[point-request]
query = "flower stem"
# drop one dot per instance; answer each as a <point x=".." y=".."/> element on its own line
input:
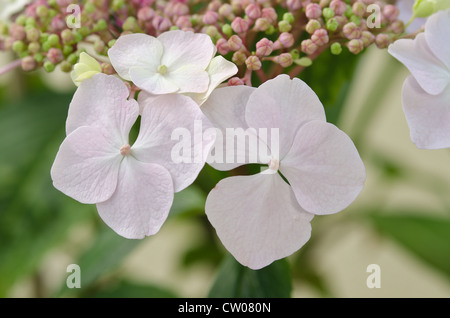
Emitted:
<point x="10" y="66"/>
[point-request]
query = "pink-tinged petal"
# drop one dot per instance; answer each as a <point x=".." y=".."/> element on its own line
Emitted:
<point x="102" y="102"/>
<point x="324" y="168"/>
<point x="154" y="83"/>
<point x="426" y="68"/>
<point x="86" y="167"/>
<point x="141" y="202"/>
<point x="175" y="134"/>
<point x="257" y="218"/>
<point x="428" y="116"/>
<point x="437" y="34"/>
<point x="189" y="78"/>
<point x="225" y="108"/>
<point x="286" y="105"/>
<point x="135" y="50"/>
<point x="183" y="48"/>
<point x="218" y="70"/>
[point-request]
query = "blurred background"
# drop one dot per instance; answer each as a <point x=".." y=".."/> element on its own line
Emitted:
<point x="401" y="220"/>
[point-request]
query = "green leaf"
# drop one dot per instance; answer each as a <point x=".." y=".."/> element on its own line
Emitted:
<point x="427" y="237"/>
<point x="237" y="281"/>
<point x="125" y="289"/>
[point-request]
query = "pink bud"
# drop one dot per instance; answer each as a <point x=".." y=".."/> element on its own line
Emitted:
<point x="57" y="23"/>
<point x="262" y="24"/>
<point x="270" y="14"/>
<point x="286" y="40"/>
<point x="234" y="42"/>
<point x="367" y="37"/>
<point x="294" y="5"/>
<point x="210" y="17"/>
<point x="320" y="37"/>
<point x="225" y="10"/>
<point x="253" y="63"/>
<point x="285" y="59"/>
<point x="214" y="5"/>
<point x="239" y="25"/>
<point x="239" y="58"/>
<point x="253" y="11"/>
<point x="183" y="22"/>
<point x="390" y="12"/>
<point x="222" y="46"/>
<point x="313" y="11"/>
<point x="264" y="47"/>
<point x="351" y="31"/>
<point x="382" y="40"/>
<point x="308" y="46"/>
<point x="145" y="14"/>
<point x="312" y="26"/>
<point x="355" y="46"/>
<point x="398" y="27"/>
<point x="180" y="9"/>
<point x="55" y="55"/>
<point x="28" y="63"/>
<point x="235" y="81"/>
<point x="17" y="32"/>
<point x="339" y="7"/>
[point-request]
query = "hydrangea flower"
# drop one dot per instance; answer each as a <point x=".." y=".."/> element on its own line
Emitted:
<point x="174" y="62"/>
<point x="426" y="92"/>
<point x="261" y="218"/>
<point x="132" y="185"/>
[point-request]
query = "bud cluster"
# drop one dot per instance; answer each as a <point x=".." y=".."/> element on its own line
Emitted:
<point x="251" y="33"/>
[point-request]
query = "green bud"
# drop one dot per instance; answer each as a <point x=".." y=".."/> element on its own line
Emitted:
<point x="42" y="12"/>
<point x="66" y="66"/>
<point x="332" y="25"/>
<point x="112" y="42"/>
<point x="355" y="19"/>
<point x="53" y="39"/>
<point x="84" y="31"/>
<point x="49" y="66"/>
<point x="288" y="17"/>
<point x="38" y="57"/>
<point x="34" y="47"/>
<point x="44" y="37"/>
<point x="295" y="54"/>
<point x="349" y="12"/>
<point x="21" y="20"/>
<point x="101" y="25"/>
<point x="89" y="7"/>
<point x="18" y="46"/>
<point x="117" y="4"/>
<point x="271" y="30"/>
<point x="424" y="8"/>
<point x="67" y="49"/>
<point x="24" y="54"/>
<point x="33" y="35"/>
<point x="174" y="27"/>
<point x="327" y="13"/>
<point x="304" y="61"/>
<point x="52" y="13"/>
<point x="130" y="24"/>
<point x="227" y="30"/>
<point x="73" y="58"/>
<point x="52" y="3"/>
<point x="284" y="26"/>
<point x="46" y="46"/>
<point x="336" y="48"/>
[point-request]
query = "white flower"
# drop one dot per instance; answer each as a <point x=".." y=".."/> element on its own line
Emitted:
<point x="261" y="218"/>
<point x="174" y="62"/>
<point x="10" y="7"/>
<point x="426" y="92"/>
<point x="132" y="185"/>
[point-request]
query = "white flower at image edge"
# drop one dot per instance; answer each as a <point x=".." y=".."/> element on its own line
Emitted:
<point x="426" y="92"/>
<point x="261" y="218"/>
<point x="11" y="7"/>
<point x="132" y="185"/>
<point x="177" y="61"/>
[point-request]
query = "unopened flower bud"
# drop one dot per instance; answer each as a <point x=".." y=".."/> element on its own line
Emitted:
<point x="367" y="37"/>
<point x="65" y="66"/>
<point x="327" y="13"/>
<point x="320" y="37"/>
<point x="284" y="26"/>
<point x="179" y="9"/>
<point x="332" y="24"/>
<point x="285" y="40"/>
<point x="359" y="8"/>
<point x="17" y="32"/>
<point x="239" y="25"/>
<point x="145" y="14"/>
<point x="235" y="81"/>
<point x="351" y="31"/>
<point x="390" y="12"/>
<point x="253" y="63"/>
<point x="130" y="24"/>
<point x="234" y="43"/>
<point x="34" y="47"/>
<point x="304" y="61"/>
<point x="355" y="46"/>
<point x="253" y="11"/>
<point x="28" y="63"/>
<point x="239" y="58"/>
<point x="294" y="5"/>
<point x="49" y="66"/>
<point x="227" y="30"/>
<point x="210" y="17"/>
<point x="264" y="47"/>
<point x="382" y="40"/>
<point x="67" y="36"/>
<point x="284" y="59"/>
<point x="339" y="7"/>
<point x="55" y="55"/>
<point x="262" y="24"/>
<point x="308" y="46"/>
<point x="288" y="17"/>
<point x="270" y="14"/>
<point x="183" y="22"/>
<point x="313" y="11"/>
<point x="397" y="27"/>
<point x="107" y="68"/>
<point x="99" y="46"/>
<point x="225" y="10"/>
<point x="42" y="12"/>
<point x="19" y="47"/>
<point x="222" y="46"/>
<point x="336" y="48"/>
<point x="312" y="26"/>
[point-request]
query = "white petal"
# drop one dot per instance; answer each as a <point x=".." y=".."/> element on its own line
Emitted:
<point x="225" y="108"/>
<point x="168" y="121"/>
<point x="189" y="78"/>
<point x="141" y="202"/>
<point x="184" y="48"/>
<point x="324" y="168"/>
<point x="286" y="105"/>
<point x="135" y="50"/>
<point x="218" y="70"/>
<point x="437" y="34"/>
<point x="428" y="116"/>
<point x="426" y="68"/>
<point x="257" y="218"/>
<point x="152" y="82"/>
<point x="102" y="102"/>
<point x="86" y="167"/>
